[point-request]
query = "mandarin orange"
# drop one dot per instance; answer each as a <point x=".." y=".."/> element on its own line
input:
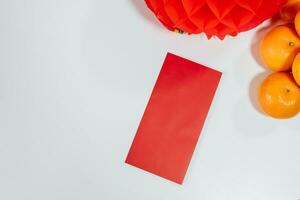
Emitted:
<point x="279" y="48"/>
<point x="279" y="95"/>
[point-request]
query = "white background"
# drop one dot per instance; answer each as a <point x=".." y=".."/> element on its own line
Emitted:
<point x="75" y="77"/>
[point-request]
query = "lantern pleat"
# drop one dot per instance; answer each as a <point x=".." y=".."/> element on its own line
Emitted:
<point x="213" y="17"/>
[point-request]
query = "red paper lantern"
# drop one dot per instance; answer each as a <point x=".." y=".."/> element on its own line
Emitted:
<point x="213" y="17"/>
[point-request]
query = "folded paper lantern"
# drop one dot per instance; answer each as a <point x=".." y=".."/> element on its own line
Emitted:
<point x="213" y="17"/>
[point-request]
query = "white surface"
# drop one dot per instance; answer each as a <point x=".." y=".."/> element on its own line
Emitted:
<point x="75" y="77"/>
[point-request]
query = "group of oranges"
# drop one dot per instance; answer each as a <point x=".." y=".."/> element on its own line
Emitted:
<point x="279" y="93"/>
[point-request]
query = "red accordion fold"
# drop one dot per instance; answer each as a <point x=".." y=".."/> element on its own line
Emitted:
<point x="213" y="17"/>
<point x="173" y="119"/>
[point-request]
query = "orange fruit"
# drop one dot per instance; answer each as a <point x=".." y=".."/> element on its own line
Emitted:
<point x="279" y="95"/>
<point x="297" y="22"/>
<point x="289" y="10"/>
<point x="296" y="68"/>
<point x="279" y="47"/>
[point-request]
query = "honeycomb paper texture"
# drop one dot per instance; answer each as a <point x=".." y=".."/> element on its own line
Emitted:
<point x="213" y="17"/>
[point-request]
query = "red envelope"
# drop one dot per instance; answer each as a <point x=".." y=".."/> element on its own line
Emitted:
<point x="173" y="119"/>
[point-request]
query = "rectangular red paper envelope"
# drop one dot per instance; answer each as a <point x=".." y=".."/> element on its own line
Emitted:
<point x="173" y="119"/>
